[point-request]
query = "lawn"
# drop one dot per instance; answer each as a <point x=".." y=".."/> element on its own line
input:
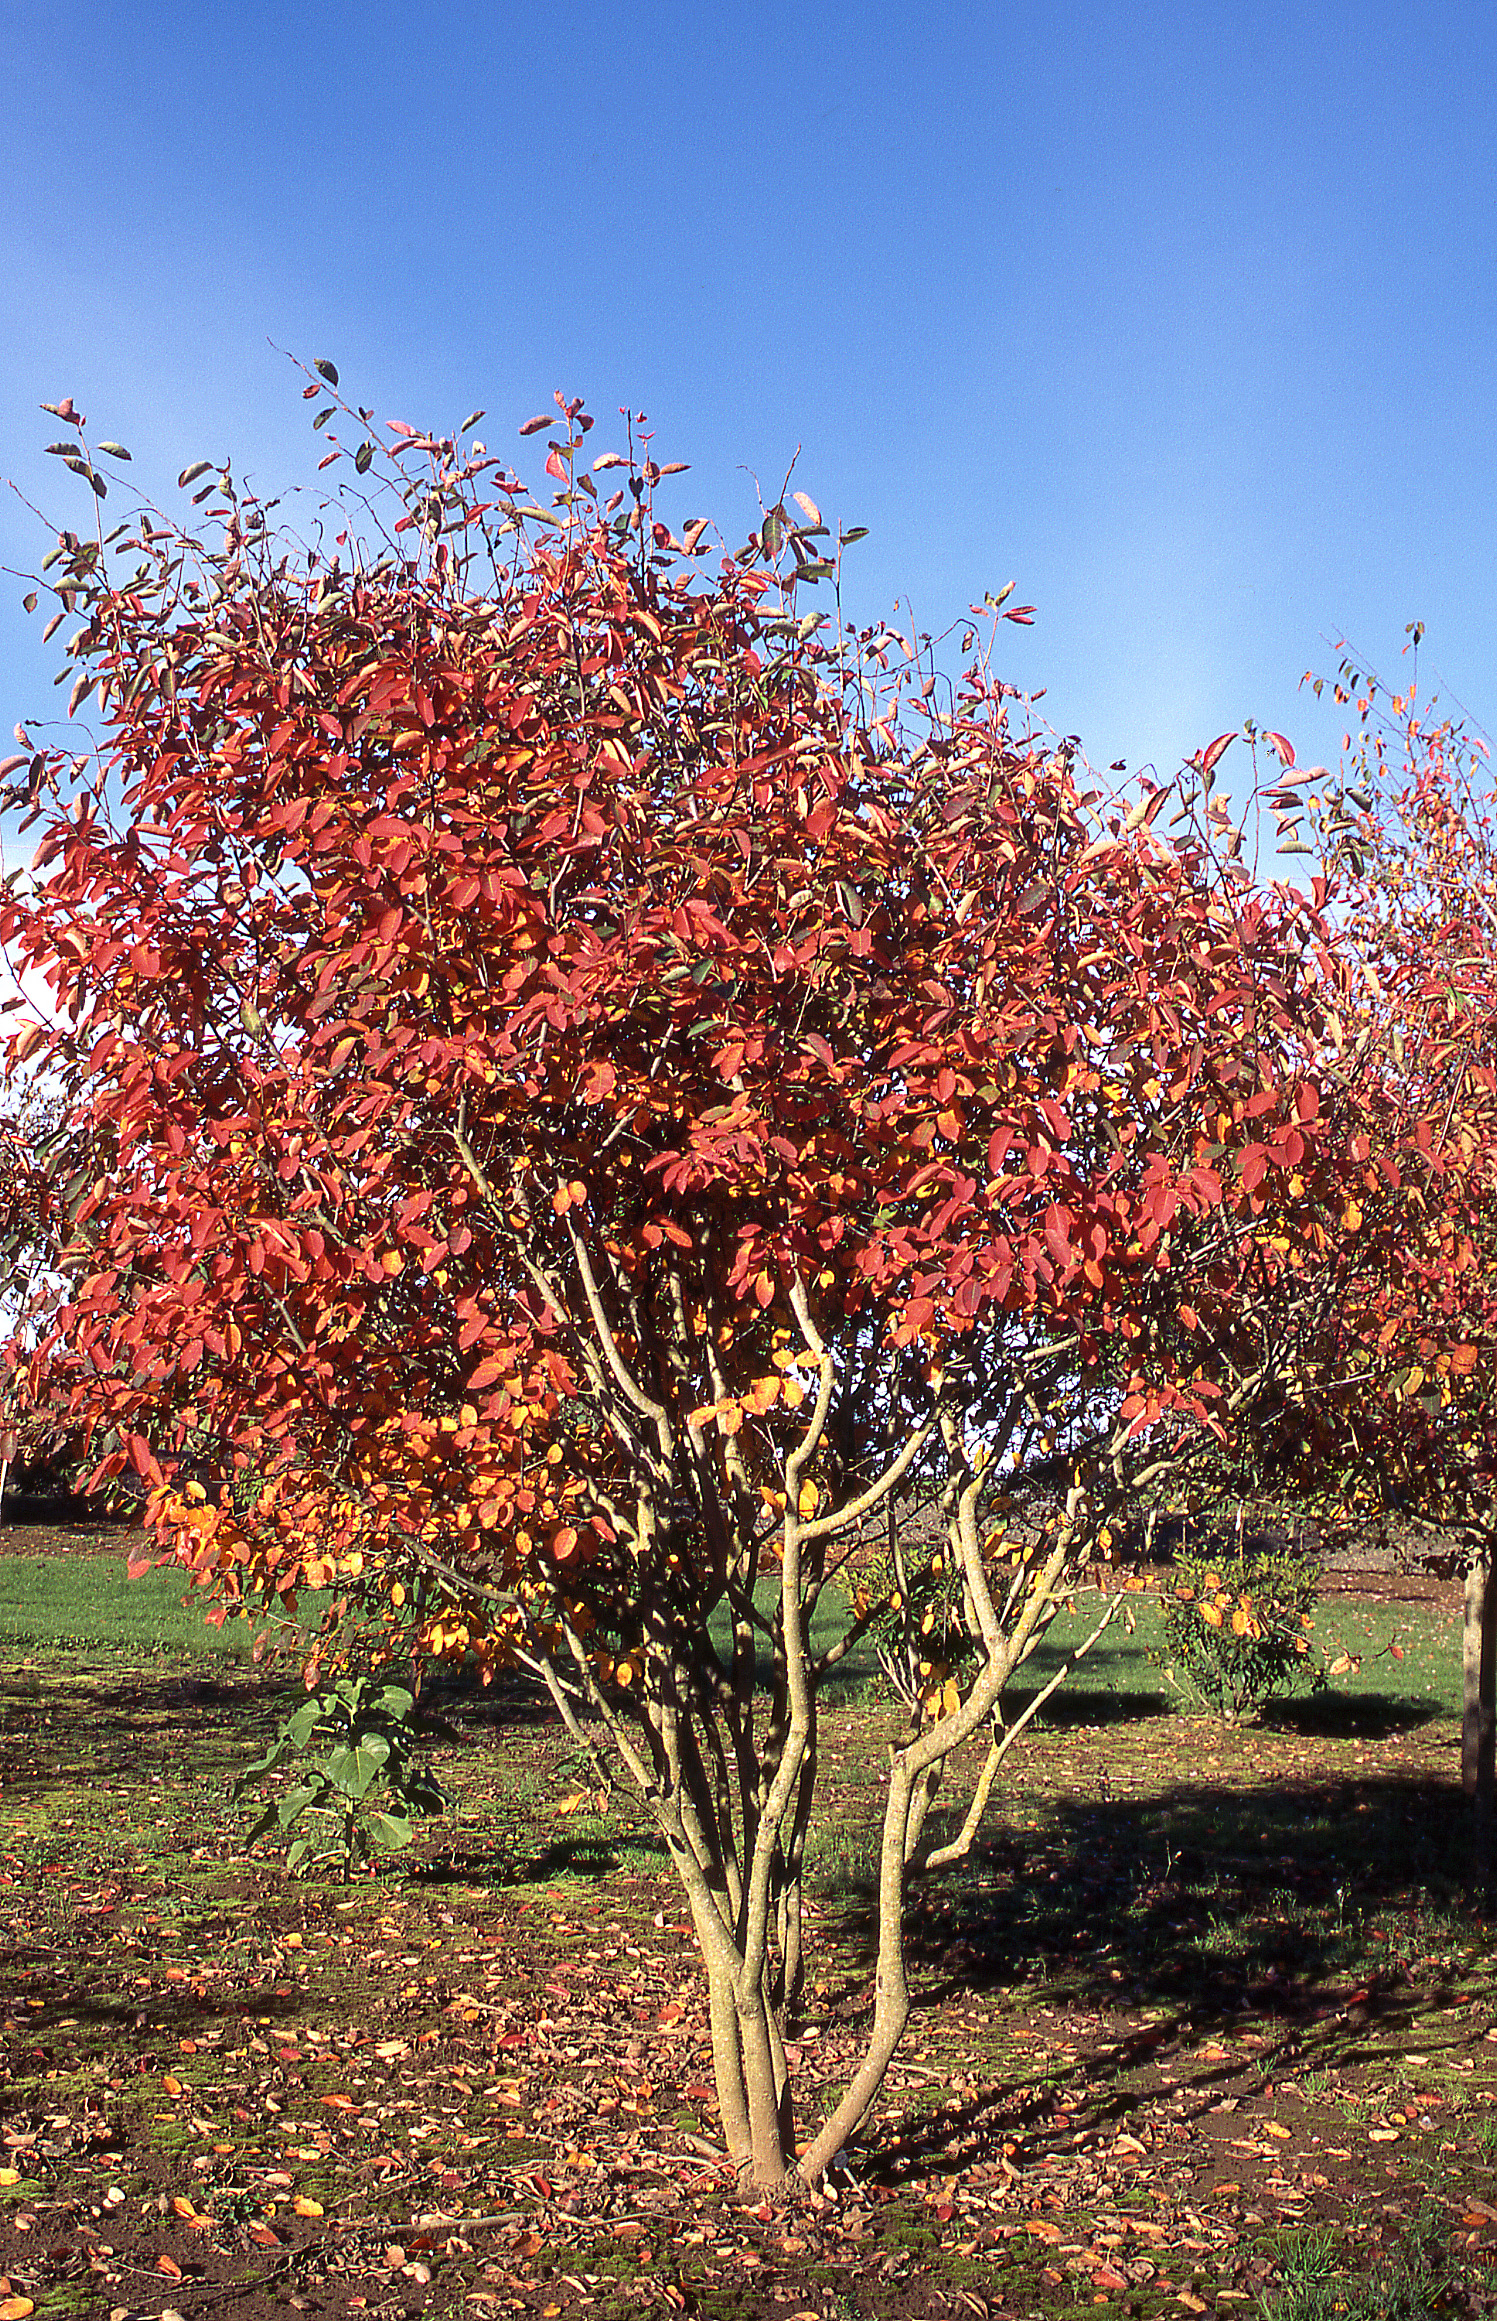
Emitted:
<point x="1206" y="2022"/>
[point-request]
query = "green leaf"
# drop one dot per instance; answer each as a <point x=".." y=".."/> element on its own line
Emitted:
<point x="389" y="1831"/>
<point x="471" y="421"/>
<point x="190" y="475"/>
<point x="265" y="1764"/>
<point x="771" y="533"/>
<point x="294" y="1803"/>
<point x="422" y="1792"/>
<point x="326" y="370"/>
<point x="353" y="1767"/>
<point x="858" y="532"/>
<point x="298" y="1729"/>
<point x="363" y="458"/>
<point x="115" y="450"/>
<point x="297" y="1853"/>
<point x="323" y="416"/>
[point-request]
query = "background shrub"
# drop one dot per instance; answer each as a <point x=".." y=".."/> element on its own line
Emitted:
<point x="1237" y="1628"/>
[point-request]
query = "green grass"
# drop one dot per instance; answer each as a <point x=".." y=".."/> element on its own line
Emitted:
<point x="89" y="1604"/>
<point x="1315" y="2285"/>
<point x="828" y="1623"/>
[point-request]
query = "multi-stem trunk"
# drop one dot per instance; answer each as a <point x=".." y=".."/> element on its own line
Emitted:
<point x="913" y="1772"/>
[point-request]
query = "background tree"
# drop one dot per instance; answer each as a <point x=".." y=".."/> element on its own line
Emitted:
<point x="1408" y="829"/>
<point x="589" y="1088"/>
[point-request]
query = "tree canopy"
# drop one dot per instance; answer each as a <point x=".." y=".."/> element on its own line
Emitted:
<point x="588" y="1090"/>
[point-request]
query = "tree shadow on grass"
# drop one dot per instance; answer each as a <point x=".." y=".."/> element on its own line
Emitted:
<point x="1369" y="1716"/>
<point x="1204" y="1900"/>
<point x="1331" y="1912"/>
<point x="581" y="1857"/>
<point x="1077" y="1705"/>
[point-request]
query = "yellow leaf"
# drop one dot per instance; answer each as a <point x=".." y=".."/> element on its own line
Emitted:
<point x="171" y="2083"/>
<point x="306" y="2207"/>
<point x="10" y="2175"/>
<point x="15" y="2308"/>
<point x="809" y="1499"/>
<point x="1211" y="1614"/>
<point x="1276" y="2128"/>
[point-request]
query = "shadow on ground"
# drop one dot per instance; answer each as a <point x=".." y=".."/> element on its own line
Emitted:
<point x="1206" y="1900"/>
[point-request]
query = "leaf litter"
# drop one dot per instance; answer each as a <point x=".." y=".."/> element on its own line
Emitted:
<point x="487" y="2085"/>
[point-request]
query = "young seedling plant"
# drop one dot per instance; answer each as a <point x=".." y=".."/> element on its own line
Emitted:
<point x="360" y="1786"/>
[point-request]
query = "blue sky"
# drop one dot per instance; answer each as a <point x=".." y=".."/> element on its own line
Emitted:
<point x="1182" y="317"/>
